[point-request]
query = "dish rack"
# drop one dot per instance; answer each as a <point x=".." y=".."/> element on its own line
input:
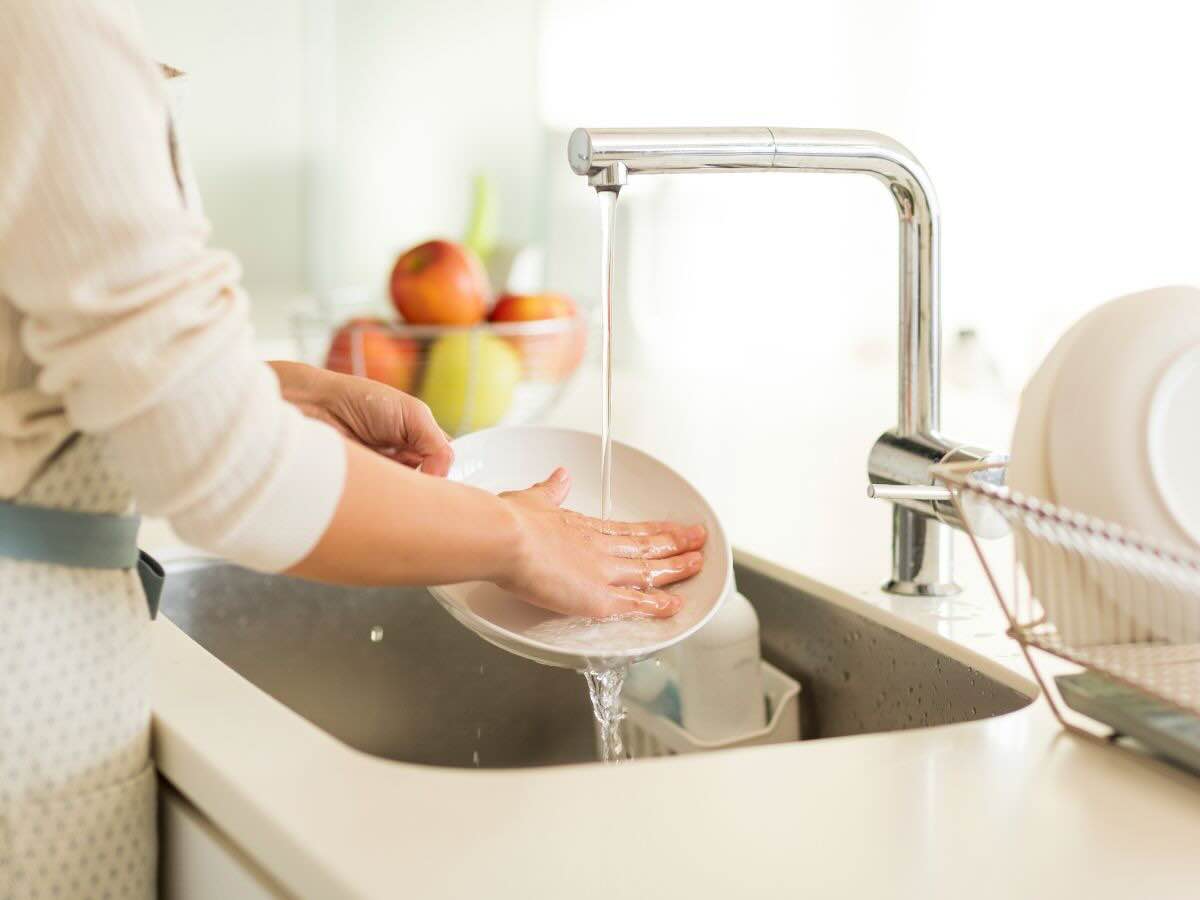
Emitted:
<point x="1092" y="593"/>
<point x="647" y="733"/>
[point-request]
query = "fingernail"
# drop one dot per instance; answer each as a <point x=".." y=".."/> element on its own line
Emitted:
<point x="650" y="602"/>
<point x="668" y="604"/>
<point x="697" y="532"/>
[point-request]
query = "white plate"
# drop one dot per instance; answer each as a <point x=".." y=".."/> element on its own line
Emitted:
<point x="1122" y="425"/>
<point x="505" y="459"/>
<point x="1063" y="590"/>
<point x="1101" y="414"/>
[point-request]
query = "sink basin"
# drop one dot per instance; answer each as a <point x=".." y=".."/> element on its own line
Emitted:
<point x="388" y="672"/>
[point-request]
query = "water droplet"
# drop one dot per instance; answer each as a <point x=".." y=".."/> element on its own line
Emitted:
<point x="475" y="758"/>
<point x="376" y="634"/>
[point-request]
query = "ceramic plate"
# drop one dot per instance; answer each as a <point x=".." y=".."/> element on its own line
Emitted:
<point x="504" y="459"/>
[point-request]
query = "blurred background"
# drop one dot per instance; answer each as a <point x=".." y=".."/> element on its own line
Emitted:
<point x="328" y="135"/>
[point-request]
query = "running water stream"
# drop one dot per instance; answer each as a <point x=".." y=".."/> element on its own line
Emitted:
<point x="604" y="689"/>
<point x="608" y="213"/>
<point x="604" y="685"/>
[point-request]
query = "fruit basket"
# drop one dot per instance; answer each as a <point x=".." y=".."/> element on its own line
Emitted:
<point x="472" y="377"/>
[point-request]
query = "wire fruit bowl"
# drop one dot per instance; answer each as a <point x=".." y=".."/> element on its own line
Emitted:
<point x="472" y="377"/>
<point x="1091" y="593"/>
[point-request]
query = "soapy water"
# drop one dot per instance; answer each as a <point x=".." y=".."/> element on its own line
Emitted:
<point x="614" y="636"/>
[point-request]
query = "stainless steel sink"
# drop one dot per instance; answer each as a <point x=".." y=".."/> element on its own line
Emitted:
<point x="387" y="671"/>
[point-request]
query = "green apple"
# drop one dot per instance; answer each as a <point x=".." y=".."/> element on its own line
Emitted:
<point x="469" y="380"/>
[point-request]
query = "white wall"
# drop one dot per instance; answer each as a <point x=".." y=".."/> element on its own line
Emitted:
<point x="1059" y="136"/>
<point x="430" y="92"/>
<point x="243" y="122"/>
<point x="329" y="134"/>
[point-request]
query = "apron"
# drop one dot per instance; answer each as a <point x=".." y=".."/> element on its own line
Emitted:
<point x="77" y="785"/>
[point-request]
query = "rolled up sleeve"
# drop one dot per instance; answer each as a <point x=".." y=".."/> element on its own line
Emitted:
<point x="133" y="319"/>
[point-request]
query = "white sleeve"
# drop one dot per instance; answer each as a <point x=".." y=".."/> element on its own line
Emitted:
<point x="138" y="324"/>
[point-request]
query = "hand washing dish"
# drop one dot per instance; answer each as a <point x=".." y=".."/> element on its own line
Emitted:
<point x="504" y="459"/>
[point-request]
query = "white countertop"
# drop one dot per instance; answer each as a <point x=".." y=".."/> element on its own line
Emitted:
<point x="1005" y="807"/>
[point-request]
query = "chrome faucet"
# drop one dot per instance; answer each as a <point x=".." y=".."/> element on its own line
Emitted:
<point x="898" y="465"/>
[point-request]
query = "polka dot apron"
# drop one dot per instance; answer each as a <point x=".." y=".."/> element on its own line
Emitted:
<point x="77" y="785"/>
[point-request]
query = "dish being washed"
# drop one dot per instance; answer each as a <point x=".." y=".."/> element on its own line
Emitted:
<point x="505" y="459"/>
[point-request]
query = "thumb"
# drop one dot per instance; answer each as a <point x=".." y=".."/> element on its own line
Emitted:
<point x="553" y="490"/>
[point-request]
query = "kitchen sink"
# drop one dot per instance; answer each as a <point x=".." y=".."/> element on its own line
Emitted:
<point x="388" y="672"/>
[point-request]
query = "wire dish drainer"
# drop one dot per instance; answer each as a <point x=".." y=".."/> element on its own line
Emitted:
<point x="1090" y="592"/>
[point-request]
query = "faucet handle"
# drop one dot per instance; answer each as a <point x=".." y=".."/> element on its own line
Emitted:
<point x="894" y="492"/>
<point x="984" y="521"/>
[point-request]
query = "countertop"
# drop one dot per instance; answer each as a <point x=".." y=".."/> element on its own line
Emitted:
<point x="1005" y="807"/>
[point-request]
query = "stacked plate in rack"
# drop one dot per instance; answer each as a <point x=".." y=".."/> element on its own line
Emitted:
<point x="1109" y="427"/>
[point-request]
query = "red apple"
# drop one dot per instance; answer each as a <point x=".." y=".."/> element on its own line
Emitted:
<point x="545" y="356"/>
<point x="367" y="347"/>
<point x="440" y="283"/>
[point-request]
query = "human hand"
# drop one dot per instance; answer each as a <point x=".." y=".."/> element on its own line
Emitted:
<point x="577" y="565"/>
<point x="379" y="417"/>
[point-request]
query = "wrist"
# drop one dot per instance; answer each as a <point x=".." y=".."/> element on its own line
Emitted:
<point x="514" y="545"/>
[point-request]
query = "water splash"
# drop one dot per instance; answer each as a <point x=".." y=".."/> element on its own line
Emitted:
<point x="604" y="689"/>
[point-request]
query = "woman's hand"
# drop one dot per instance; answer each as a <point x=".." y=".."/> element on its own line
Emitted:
<point x="573" y="564"/>
<point x="380" y="418"/>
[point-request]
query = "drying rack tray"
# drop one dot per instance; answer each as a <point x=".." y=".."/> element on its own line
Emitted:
<point x="1089" y="592"/>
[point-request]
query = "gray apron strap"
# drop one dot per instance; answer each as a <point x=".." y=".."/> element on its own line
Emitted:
<point x="80" y="540"/>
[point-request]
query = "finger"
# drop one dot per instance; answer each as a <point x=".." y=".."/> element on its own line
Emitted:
<point x="553" y="490"/>
<point x="405" y="457"/>
<point x="633" y="529"/>
<point x="426" y="437"/>
<point x="657" y="546"/>
<point x="624" y="601"/>
<point x="652" y="573"/>
<point x="438" y="463"/>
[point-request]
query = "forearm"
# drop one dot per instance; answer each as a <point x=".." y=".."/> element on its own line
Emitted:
<point x="397" y="526"/>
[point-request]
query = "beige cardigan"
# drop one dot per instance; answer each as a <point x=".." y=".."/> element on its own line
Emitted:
<point x="117" y="318"/>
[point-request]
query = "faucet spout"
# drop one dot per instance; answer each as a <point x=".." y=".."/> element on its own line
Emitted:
<point x="603" y="154"/>
<point x="609" y="157"/>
